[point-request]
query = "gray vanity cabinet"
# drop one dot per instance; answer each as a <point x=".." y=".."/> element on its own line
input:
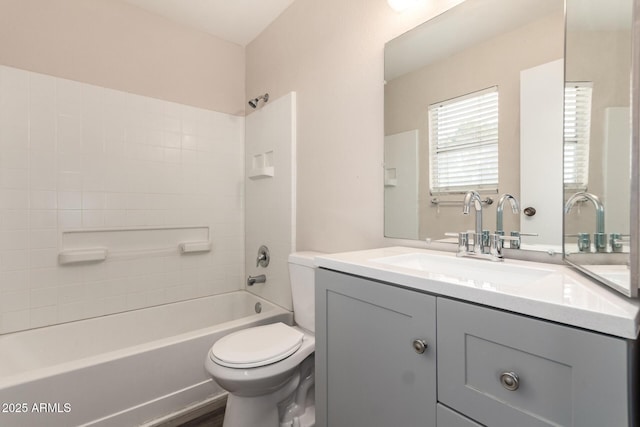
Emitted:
<point x="506" y="370"/>
<point x="494" y="368"/>
<point x="370" y="371"/>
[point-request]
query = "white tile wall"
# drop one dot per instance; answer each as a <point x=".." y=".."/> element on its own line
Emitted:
<point x="76" y="156"/>
<point x="270" y="215"/>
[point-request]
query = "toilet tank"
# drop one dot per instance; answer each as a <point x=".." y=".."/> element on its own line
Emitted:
<point x="302" y="278"/>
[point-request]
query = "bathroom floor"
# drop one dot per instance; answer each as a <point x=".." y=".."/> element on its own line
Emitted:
<point x="210" y="415"/>
<point x="213" y="419"/>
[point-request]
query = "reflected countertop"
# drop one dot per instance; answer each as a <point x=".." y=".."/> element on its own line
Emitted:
<point x="561" y="294"/>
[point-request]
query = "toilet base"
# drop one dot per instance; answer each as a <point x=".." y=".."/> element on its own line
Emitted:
<point x="257" y="411"/>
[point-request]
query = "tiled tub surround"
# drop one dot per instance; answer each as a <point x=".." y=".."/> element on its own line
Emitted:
<point x="127" y="368"/>
<point x="76" y="156"/>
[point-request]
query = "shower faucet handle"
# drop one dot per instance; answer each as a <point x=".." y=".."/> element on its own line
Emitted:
<point x="263" y="257"/>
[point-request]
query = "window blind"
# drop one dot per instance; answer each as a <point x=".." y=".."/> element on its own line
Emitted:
<point x="463" y="134"/>
<point x="577" y="128"/>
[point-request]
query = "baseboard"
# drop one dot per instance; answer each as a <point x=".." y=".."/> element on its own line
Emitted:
<point x="195" y="415"/>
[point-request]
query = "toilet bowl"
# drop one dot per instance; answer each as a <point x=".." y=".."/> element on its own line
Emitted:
<point x="268" y="370"/>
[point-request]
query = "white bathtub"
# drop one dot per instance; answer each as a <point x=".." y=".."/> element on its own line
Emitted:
<point x="123" y="369"/>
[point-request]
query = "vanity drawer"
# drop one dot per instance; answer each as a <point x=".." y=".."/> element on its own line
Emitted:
<point x="503" y="369"/>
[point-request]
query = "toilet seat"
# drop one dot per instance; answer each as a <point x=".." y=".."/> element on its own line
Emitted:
<point x="257" y="346"/>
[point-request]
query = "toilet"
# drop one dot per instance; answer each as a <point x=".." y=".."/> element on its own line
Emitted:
<point x="269" y="370"/>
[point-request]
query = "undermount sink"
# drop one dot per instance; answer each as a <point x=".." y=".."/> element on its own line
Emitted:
<point x="465" y="269"/>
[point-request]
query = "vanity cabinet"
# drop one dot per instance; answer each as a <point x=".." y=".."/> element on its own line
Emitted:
<point x="503" y="369"/>
<point x="371" y="369"/>
<point x="486" y="367"/>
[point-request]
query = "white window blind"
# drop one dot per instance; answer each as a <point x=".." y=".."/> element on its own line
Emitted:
<point x="577" y="128"/>
<point x="463" y="135"/>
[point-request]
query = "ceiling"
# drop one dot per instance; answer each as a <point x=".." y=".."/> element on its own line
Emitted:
<point x="237" y="21"/>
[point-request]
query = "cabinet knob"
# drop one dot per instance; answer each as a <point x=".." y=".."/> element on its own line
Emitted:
<point x="420" y="346"/>
<point x="530" y="211"/>
<point x="510" y="381"/>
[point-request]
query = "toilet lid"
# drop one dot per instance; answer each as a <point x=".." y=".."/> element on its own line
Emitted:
<point x="258" y="346"/>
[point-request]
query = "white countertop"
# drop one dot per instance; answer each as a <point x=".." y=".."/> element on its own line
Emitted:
<point x="564" y="295"/>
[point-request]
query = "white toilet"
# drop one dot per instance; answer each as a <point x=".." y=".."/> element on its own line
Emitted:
<point x="269" y="370"/>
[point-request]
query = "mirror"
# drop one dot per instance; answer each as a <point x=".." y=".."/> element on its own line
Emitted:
<point x="504" y="52"/>
<point x="598" y="167"/>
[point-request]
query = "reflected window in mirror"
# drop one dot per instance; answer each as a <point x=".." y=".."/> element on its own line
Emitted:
<point x="577" y="134"/>
<point x="464" y="143"/>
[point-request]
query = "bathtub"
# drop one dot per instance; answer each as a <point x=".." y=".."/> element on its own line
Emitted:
<point x="124" y="369"/>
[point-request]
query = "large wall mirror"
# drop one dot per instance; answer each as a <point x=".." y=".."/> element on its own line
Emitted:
<point x="598" y="149"/>
<point x="473" y="101"/>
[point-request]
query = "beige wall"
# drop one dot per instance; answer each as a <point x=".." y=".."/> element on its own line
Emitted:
<point x="331" y="53"/>
<point x="496" y="62"/>
<point x="112" y="44"/>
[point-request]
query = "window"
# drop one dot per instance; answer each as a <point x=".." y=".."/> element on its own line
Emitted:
<point x="463" y="134"/>
<point x="577" y="128"/>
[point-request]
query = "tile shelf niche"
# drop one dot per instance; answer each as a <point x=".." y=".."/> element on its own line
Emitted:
<point x="262" y="165"/>
<point x="96" y="245"/>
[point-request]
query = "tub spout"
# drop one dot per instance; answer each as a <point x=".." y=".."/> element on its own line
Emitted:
<point x="251" y="280"/>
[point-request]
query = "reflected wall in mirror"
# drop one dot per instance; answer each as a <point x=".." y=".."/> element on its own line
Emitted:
<point x="598" y="140"/>
<point x="511" y="48"/>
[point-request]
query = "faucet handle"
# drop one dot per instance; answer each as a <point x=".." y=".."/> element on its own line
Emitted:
<point x="463" y="240"/>
<point x="263" y="257"/>
<point x="509" y="238"/>
<point x="496" y="244"/>
<point x="600" y="241"/>
<point x="616" y="240"/>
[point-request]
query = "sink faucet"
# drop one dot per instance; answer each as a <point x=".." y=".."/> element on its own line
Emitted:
<point x="515" y="208"/>
<point x="600" y="239"/>
<point x="473" y="196"/>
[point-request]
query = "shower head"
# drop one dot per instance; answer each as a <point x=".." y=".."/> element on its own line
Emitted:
<point x="253" y="103"/>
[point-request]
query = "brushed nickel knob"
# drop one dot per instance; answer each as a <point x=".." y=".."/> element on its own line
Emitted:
<point x="420" y="346"/>
<point x="510" y="381"/>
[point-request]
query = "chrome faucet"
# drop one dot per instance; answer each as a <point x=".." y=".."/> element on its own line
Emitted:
<point x="600" y="238"/>
<point x="485" y="245"/>
<point x="515" y="208"/>
<point x="473" y="196"/>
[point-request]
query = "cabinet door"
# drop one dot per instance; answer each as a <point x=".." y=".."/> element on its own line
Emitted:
<point x="368" y="373"/>
<point x="506" y="370"/>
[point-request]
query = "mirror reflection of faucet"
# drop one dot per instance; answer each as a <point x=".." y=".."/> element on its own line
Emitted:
<point x="516" y="240"/>
<point x="617" y="241"/>
<point x="599" y="237"/>
<point x="515" y="208"/>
